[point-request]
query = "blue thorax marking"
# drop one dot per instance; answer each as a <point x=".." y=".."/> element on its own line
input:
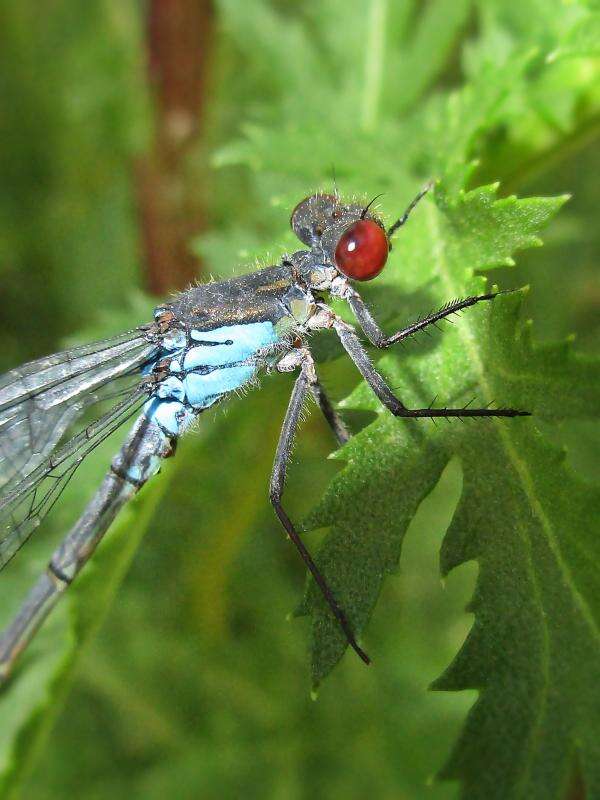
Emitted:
<point x="220" y="362"/>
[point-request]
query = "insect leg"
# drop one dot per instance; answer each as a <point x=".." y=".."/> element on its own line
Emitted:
<point x="336" y="423"/>
<point x="378" y="338"/>
<point x="304" y="381"/>
<point x="359" y="355"/>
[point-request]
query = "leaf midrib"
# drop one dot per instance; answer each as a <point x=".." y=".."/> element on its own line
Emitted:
<point x="466" y="333"/>
<point x="469" y="340"/>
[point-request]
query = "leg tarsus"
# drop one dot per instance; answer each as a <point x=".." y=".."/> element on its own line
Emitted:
<point x="319" y="579"/>
<point x="377" y="337"/>
<point x="460" y="412"/>
<point x="359" y="355"/>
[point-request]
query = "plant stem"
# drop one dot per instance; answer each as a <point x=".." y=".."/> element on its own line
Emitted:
<point x="170" y="206"/>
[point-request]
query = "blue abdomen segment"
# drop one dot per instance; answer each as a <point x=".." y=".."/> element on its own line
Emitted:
<point x="203" y="369"/>
<point x="203" y="389"/>
<point x="172" y="416"/>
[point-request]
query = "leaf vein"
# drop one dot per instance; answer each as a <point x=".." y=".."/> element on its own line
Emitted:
<point x="521" y="469"/>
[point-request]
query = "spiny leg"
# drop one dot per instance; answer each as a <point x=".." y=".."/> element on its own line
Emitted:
<point x="336" y="423"/>
<point x="359" y="355"/>
<point x="304" y="381"/>
<point x="378" y="338"/>
<point x="369" y="325"/>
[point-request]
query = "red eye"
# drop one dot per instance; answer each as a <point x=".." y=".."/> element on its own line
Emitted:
<point x="362" y="251"/>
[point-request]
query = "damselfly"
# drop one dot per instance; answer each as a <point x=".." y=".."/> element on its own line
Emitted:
<point x="206" y="343"/>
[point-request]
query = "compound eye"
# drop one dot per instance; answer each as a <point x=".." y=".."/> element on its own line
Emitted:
<point x="362" y="251"/>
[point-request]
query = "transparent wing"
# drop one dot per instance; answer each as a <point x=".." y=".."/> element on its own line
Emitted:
<point x="24" y="505"/>
<point x="40" y="400"/>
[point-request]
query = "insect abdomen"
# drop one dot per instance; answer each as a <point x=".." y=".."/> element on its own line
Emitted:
<point x="202" y="370"/>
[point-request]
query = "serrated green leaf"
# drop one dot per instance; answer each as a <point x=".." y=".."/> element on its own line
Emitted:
<point x="490" y="231"/>
<point x="534" y="650"/>
<point x="369" y="523"/>
<point x="370" y="501"/>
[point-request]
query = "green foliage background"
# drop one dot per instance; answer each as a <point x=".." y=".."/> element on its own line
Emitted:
<point x="196" y="685"/>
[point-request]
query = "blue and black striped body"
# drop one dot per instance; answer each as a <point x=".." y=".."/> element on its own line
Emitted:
<point x="216" y="338"/>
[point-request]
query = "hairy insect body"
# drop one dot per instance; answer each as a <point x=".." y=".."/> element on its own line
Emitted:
<point x="199" y="363"/>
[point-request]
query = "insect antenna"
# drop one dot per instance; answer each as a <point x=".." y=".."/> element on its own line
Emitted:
<point x="369" y="204"/>
<point x="400" y="222"/>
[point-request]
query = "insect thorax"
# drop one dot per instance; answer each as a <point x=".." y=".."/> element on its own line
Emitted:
<point x="214" y="338"/>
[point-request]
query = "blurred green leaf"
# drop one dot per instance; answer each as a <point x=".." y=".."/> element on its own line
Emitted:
<point x="582" y="40"/>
